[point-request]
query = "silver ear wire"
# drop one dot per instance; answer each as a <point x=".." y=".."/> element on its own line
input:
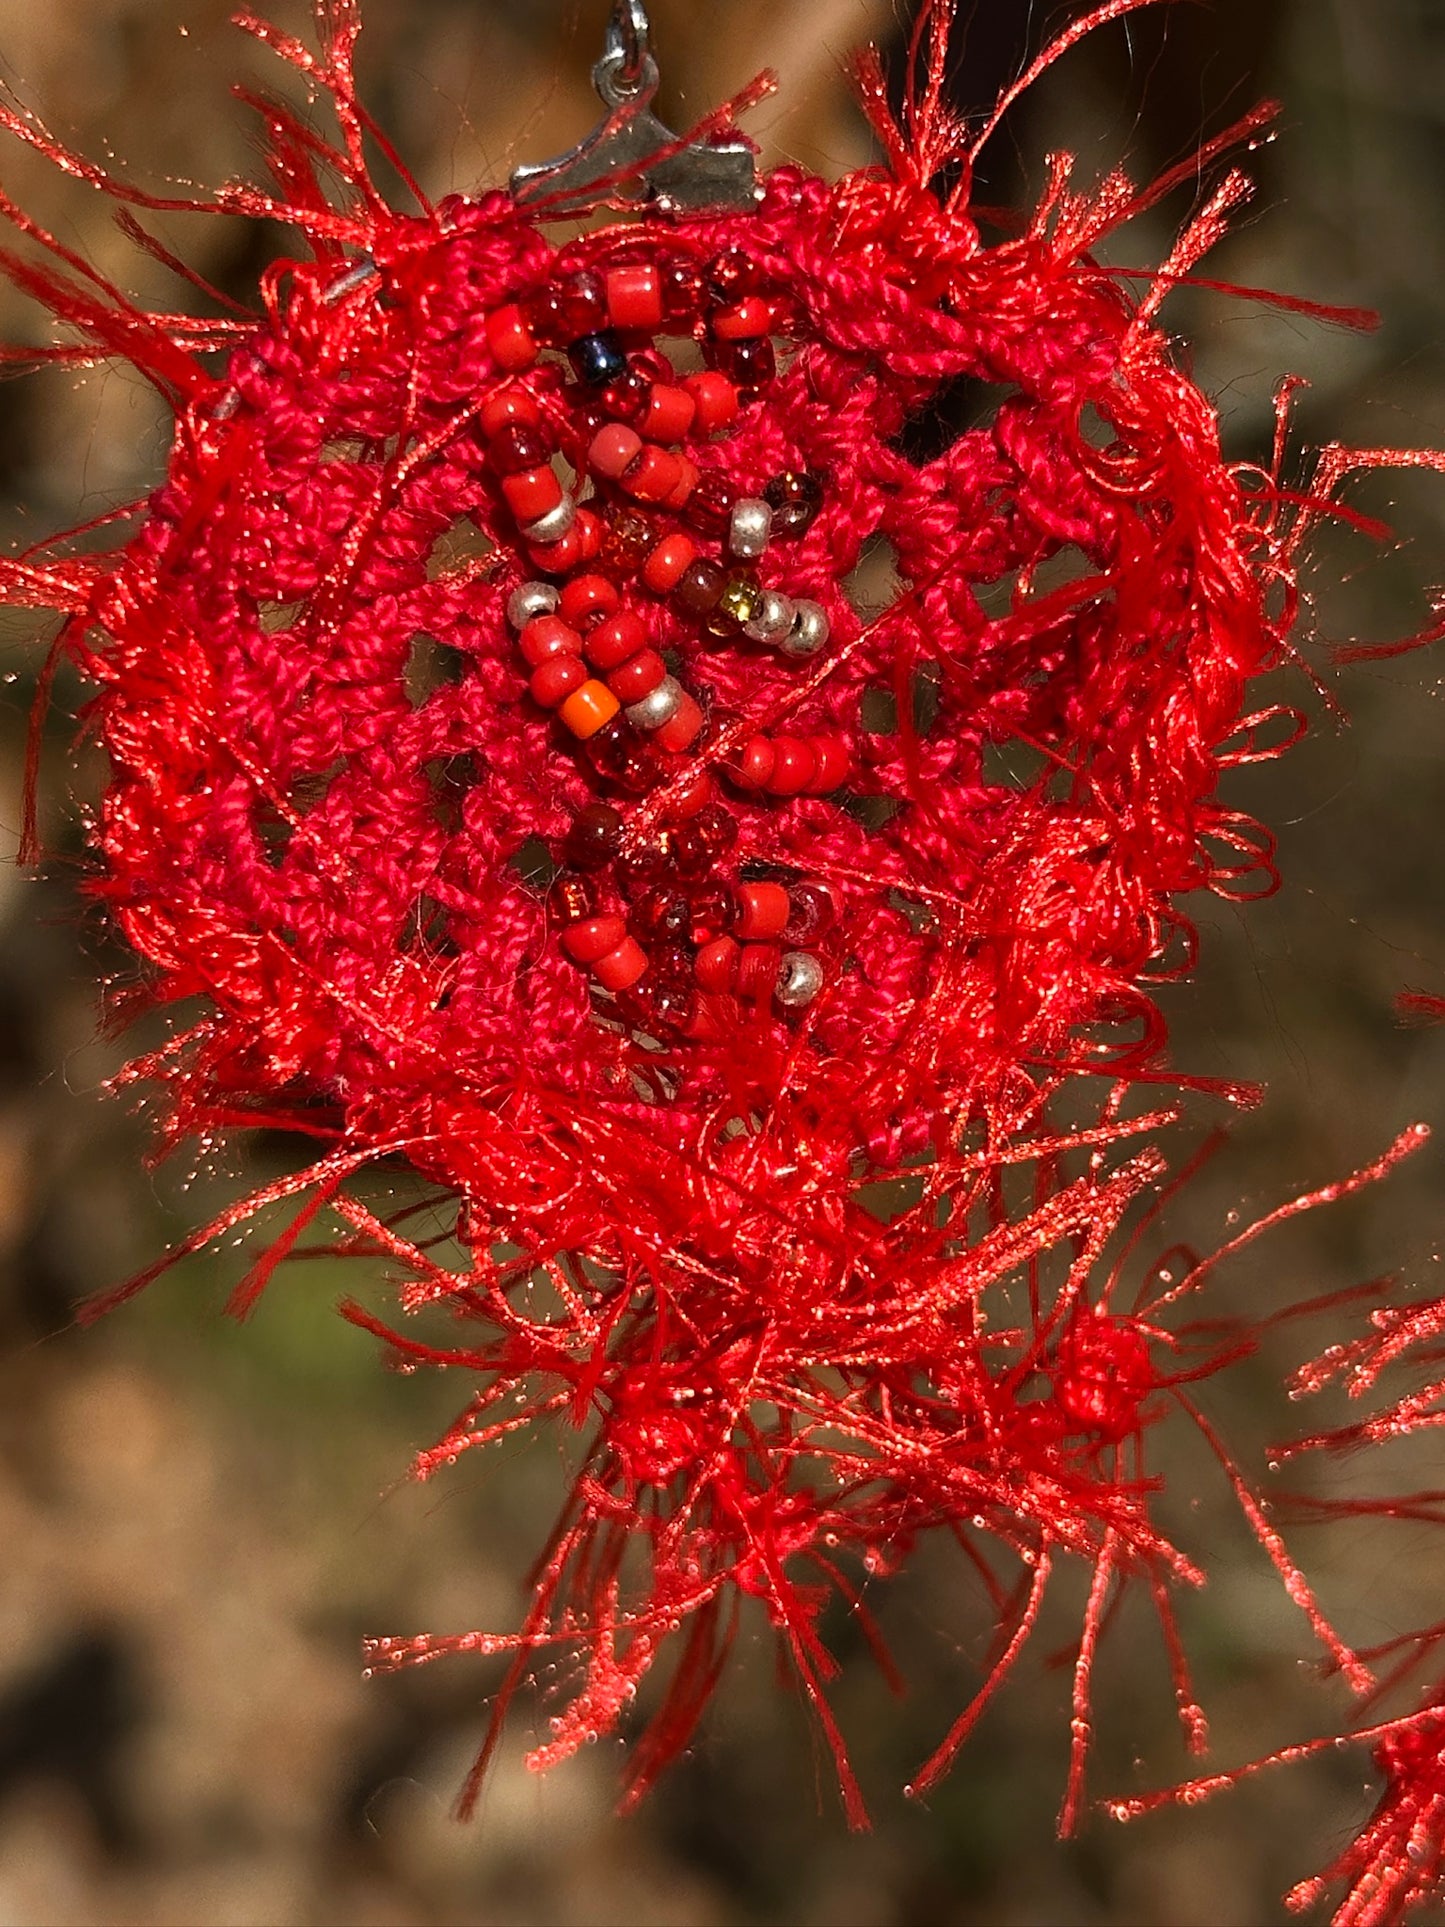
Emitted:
<point x="699" y="174"/>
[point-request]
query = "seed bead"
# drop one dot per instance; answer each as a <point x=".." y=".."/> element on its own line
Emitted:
<point x="749" y="528"/>
<point x="532" y="599"/>
<point x="800" y="978"/>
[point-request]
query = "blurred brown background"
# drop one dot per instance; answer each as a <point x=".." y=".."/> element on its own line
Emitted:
<point x="197" y="1523"/>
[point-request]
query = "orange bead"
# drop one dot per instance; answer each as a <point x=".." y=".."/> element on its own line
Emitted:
<point x="587" y="709"/>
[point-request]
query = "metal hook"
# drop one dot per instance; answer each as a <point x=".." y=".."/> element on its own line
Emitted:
<point x="701" y="174"/>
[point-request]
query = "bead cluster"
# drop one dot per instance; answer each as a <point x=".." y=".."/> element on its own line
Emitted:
<point x="667" y="929"/>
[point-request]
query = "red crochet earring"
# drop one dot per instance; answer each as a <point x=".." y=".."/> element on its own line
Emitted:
<point x="685" y="906"/>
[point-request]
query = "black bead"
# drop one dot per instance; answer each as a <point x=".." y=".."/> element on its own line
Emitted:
<point x="598" y="359"/>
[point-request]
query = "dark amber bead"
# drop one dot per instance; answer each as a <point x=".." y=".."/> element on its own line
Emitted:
<point x="625" y="398"/>
<point x="574" y="898"/>
<point x="710" y="505"/>
<point x="749" y="364"/>
<point x="664" y="915"/>
<point x="517" y="447"/>
<point x="594" y="838"/>
<point x="730" y="276"/>
<point x="795" y="498"/>
<point x="629" y="540"/>
<point x="699" y="589"/>
<point x="701" y="842"/>
<point x="683" y="293"/>
<point x="619" y="754"/>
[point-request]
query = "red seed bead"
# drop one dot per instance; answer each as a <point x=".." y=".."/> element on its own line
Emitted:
<point x="547" y="636"/>
<point x="758" y="967"/>
<point x="793" y="766"/>
<point x="588" y="599"/>
<point x="518" y="446"/>
<point x="511" y="341"/>
<point x="575" y="307"/>
<point x="743" y="322"/>
<point x="664" y="568"/>
<point x="614" y="449"/>
<point x="699" y="845"/>
<point x="683" y="292"/>
<point x="712" y="912"/>
<point x="588" y="708"/>
<point x="750" y="364"/>
<point x="715" y="401"/>
<point x="507" y="407"/>
<point x="653" y="476"/>
<point x="717" y="965"/>
<point x="559" y="558"/>
<point x="553" y="681"/>
<point x="663" y="914"/>
<point x="684" y="728"/>
<point x="668" y="415"/>
<point x="533" y="493"/>
<point x="833" y="763"/>
<point x="634" y="297"/>
<point x="626" y="398"/>
<point x="615" y="639"/>
<point x="637" y="677"/>
<point x="690" y="796"/>
<point x="627" y="538"/>
<point x="589" y="529"/>
<point x="594" y="937"/>
<point x="711" y="506"/>
<point x="573" y="899"/>
<point x="813" y="913"/>
<point x="619" y="755"/>
<point x="731" y="275"/>
<point x="762" y="910"/>
<point x="621" y="968"/>
<point x="687" y="473"/>
<point x="757" y="762"/>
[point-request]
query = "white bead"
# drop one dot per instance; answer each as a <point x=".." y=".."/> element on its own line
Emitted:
<point x="809" y="631"/>
<point x="800" y="978"/>
<point x="552" y="526"/>
<point x="533" y="599"/>
<point x="773" y="620"/>
<point x="657" y="707"/>
<point x="751" y="525"/>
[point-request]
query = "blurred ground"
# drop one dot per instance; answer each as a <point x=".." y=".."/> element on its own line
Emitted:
<point x="197" y="1523"/>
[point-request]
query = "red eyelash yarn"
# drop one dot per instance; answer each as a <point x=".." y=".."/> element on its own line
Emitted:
<point x="505" y="785"/>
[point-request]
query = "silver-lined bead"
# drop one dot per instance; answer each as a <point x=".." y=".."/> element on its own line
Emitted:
<point x="809" y="631"/>
<point x="750" y="527"/>
<point x="800" y="978"/>
<point x="657" y="707"/>
<point x="531" y="600"/>
<point x="552" y="526"/>
<point x="774" y="619"/>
